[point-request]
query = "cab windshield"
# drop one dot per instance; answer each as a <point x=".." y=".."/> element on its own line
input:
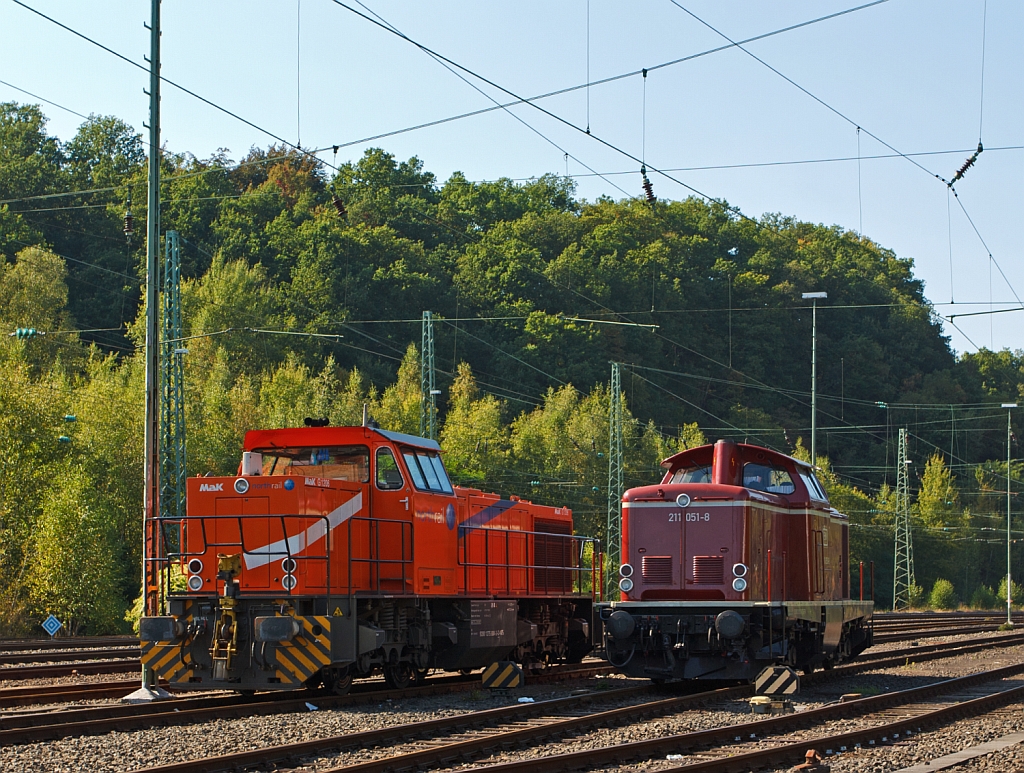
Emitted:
<point x="351" y="463"/>
<point x="691" y="475"/>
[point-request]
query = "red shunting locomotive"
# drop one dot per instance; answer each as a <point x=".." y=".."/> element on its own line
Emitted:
<point x="735" y="562"/>
<point x="339" y="552"/>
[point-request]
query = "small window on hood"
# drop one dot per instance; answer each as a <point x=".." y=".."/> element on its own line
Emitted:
<point x="691" y="475"/>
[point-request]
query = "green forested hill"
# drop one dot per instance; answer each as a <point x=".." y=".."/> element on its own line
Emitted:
<point x="534" y="293"/>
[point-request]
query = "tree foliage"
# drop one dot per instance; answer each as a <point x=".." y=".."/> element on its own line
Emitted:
<point x="293" y="310"/>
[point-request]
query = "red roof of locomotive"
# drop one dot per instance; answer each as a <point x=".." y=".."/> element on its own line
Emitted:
<point x="326" y="436"/>
<point x="702" y="455"/>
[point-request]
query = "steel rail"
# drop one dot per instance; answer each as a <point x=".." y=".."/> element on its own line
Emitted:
<point x="64" y="657"/>
<point x="759" y="730"/>
<point x="86" y="642"/>
<point x="13" y="673"/>
<point x="416" y="730"/>
<point x="63" y="693"/>
<point x="284" y="754"/>
<point x="26" y="727"/>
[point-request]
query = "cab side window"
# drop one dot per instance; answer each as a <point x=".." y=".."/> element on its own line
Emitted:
<point x="389" y="477"/>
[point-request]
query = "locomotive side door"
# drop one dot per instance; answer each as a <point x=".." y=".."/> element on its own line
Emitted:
<point x="431" y="503"/>
<point x="391" y="507"/>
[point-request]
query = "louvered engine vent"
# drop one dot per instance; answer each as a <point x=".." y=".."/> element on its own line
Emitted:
<point x="707" y="570"/>
<point x="657" y="570"/>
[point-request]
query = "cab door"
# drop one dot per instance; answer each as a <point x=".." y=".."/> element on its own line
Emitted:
<point x="433" y="511"/>
<point x="390" y="534"/>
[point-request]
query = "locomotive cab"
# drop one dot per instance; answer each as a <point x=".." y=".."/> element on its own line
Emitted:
<point x="346" y="551"/>
<point x="733" y="562"/>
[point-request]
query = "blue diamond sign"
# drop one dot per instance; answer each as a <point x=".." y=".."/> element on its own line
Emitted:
<point x="51" y="625"/>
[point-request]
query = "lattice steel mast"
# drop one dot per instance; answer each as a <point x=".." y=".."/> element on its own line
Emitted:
<point x="903" y="575"/>
<point x="428" y="380"/>
<point x="172" y="386"/>
<point x="613" y="532"/>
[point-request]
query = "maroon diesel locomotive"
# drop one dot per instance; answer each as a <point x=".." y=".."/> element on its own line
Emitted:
<point x="735" y="562"/>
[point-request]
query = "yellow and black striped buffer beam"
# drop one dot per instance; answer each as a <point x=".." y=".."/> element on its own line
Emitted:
<point x="777" y="680"/>
<point x="165" y="661"/>
<point x="299" y="658"/>
<point x="502" y="674"/>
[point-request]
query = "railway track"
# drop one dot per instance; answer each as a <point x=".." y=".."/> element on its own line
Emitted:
<point x="785" y="739"/>
<point x="456" y="740"/>
<point x="13" y="697"/>
<point x="21" y="658"/>
<point x="89" y="642"/>
<point x="34" y="726"/>
<point x="55" y="671"/>
<point x="95" y="655"/>
<point x="30" y="726"/>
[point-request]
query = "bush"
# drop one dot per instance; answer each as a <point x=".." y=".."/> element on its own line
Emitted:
<point x="916" y="596"/>
<point x="943" y="595"/>
<point x="984" y="598"/>
<point x="1018" y="594"/>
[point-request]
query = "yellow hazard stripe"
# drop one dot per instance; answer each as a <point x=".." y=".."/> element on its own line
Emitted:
<point x="287" y="659"/>
<point x="283" y="677"/>
<point x="323" y="638"/>
<point x="502" y="674"/>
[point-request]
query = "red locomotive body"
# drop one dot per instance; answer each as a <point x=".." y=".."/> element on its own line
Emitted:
<point x="736" y="561"/>
<point x="342" y="551"/>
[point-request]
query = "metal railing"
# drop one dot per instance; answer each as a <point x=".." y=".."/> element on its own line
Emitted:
<point x="497" y="570"/>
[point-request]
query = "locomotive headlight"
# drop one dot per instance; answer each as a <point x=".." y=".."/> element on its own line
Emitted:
<point x="683" y="500"/>
<point x="739" y="585"/>
<point x="288" y="565"/>
<point x="195" y="583"/>
<point x="289" y="582"/>
<point x="195" y="566"/>
<point x="626" y="570"/>
<point x="625" y="585"/>
<point x="739" y="570"/>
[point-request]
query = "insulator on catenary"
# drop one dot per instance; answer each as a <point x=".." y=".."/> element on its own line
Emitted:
<point x="967" y="165"/>
<point x="339" y="205"/>
<point x="648" y="188"/>
<point x="129" y="220"/>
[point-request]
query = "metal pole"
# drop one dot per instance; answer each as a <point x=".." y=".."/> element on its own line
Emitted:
<point x="814" y="298"/>
<point x="1009" y="578"/>
<point x="151" y="492"/>
<point x="814" y="382"/>
<point x="1010" y="584"/>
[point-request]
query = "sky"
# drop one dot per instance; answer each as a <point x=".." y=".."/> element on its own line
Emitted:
<point x="846" y="121"/>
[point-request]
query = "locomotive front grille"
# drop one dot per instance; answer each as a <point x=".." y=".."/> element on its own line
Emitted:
<point x="707" y="570"/>
<point x="657" y="570"/>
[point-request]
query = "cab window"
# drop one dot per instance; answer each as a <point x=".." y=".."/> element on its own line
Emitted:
<point x="389" y="477"/>
<point x="692" y="475"/>
<point x="814" y="489"/>
<point x="763" y="477"/>
<point x="426" y="470"/>
<point x="350" y="463"/>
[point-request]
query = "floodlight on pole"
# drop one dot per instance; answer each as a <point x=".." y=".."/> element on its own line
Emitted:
<point x="1009" y="581"/>
<point x="814" y="298"/>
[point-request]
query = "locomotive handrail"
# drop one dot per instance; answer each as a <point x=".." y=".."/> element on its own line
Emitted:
<point x="573" y="567"/>
<point x="180" y="556"/>
<point x="375" y="561"/>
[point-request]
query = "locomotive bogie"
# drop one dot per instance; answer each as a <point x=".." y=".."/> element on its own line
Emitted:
<point x="345" y="551"/>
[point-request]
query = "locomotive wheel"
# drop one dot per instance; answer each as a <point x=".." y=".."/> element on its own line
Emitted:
<point x="419" y="675"/>
<point x="340" y="682"/>
<point x="398" y="676"/>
